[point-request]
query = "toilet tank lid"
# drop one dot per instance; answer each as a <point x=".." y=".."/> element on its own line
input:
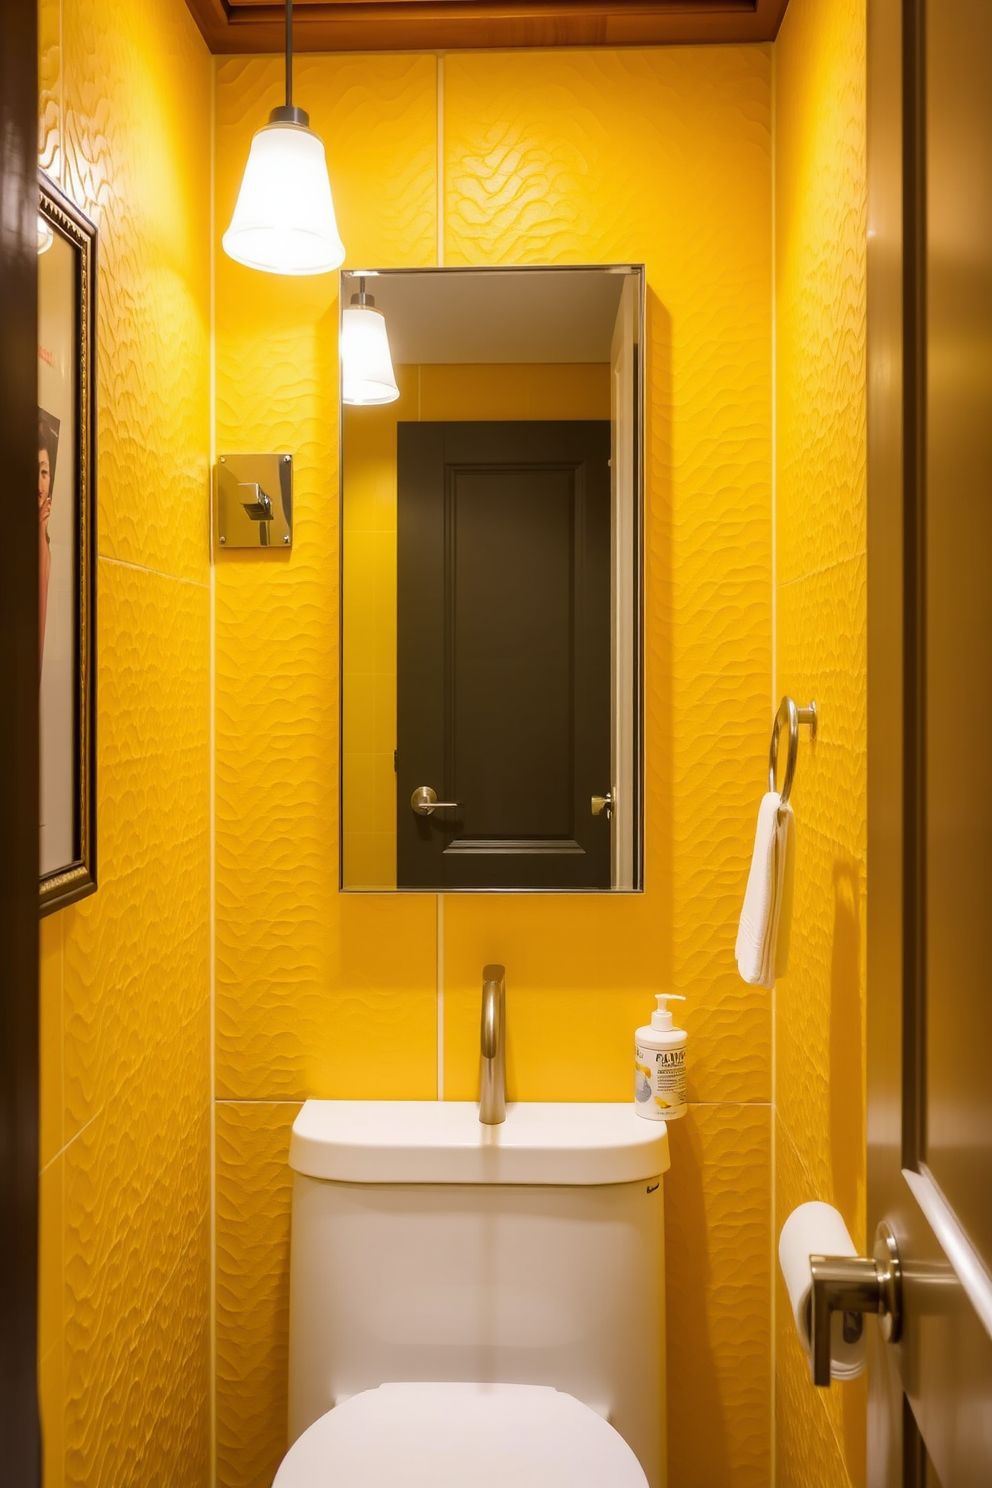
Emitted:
<point x="549" y="1143"/>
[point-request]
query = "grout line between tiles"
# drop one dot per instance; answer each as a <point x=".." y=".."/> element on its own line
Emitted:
<point x="157" y="572"/>
<point x="212" y="778"/>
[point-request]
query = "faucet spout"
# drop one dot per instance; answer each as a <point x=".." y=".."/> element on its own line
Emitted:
<point x="492" y="1082"/>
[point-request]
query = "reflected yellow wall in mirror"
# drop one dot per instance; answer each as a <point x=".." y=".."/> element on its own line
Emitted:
<point x="436" y="393"/>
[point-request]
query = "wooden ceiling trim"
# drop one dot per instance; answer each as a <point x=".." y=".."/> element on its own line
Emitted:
<point x="257" y="26"/>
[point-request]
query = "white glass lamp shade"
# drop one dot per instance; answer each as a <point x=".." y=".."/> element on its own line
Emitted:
<point x="284" y="217"/>
<point x="366" y="366"/>
<point x="46" y="236"/>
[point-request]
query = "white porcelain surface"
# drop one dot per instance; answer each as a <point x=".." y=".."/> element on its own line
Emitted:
<point x="460" y="1436"/>
<point x="444" y="1142"/>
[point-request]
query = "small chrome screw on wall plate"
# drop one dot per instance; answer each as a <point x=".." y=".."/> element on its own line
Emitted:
<point x="285" y="459"/>
<point x="223" y="540"/>
<point x="285" y="537"/>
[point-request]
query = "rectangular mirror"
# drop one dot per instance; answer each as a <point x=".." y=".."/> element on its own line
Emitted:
<point x="491" y="594"/>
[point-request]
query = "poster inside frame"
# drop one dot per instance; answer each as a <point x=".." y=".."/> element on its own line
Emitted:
<point x="67" y="244"/>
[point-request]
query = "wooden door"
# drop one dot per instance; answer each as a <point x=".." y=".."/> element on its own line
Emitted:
<point x="929" y="724"/>
<point x="503" y="654"/>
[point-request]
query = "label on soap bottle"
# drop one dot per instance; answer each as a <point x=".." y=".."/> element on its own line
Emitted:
<point x="659" y="1083"/>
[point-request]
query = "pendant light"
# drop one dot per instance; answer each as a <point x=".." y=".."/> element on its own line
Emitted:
<point x="283" y="219"/>
<point x="366" y="366"/>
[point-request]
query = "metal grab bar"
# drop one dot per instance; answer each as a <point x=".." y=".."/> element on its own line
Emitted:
<point x="789" y="714"/>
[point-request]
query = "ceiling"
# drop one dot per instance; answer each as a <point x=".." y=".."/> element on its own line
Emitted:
<point x="230" y="26"/>
<point x="485" y="316"/>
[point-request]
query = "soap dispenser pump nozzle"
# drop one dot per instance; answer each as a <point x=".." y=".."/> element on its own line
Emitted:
<point x="662" y="1017"/>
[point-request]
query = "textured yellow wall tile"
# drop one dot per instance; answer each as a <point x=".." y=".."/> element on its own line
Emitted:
<point x="822" y="654"/>
<point x="172" y="1374"/>
<point x="820" y="276"/>
<point x="821" y="646"/>
<point x="50" y="1256"/>
<point x="254" y="1187"/>
<point x="125" y="123"/>
<point x="136" y="98"/>
<point x="50" y="86"/>
<point x="51" y="1096"/>
<point x="807" y="1414"/>
<point x="136" y="1191"/>
<point x="314" y="990"/>
<point x="136" y="958"/>
<point x="51" y="1404"/>
<point x="662" y="156"/>
<point x="718" y="1302"/>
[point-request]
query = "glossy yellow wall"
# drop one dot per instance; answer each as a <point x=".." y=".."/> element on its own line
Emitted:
<point x="819" y="61"/>
<point x="434" y="392"/>
<point x="125" y="984"/>
<point x="659" y="156"/>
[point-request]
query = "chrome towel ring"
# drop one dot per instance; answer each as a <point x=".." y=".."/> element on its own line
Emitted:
<point x="789" y="714"/>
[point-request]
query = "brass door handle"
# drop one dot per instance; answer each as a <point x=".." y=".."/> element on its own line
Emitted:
<point x="424" y="801"/>
<point x="854" y="1284"/>
<point x="601" y="804"/>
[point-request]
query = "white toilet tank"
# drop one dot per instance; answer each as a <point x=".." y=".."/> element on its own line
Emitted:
<point x="426" y="1247"/>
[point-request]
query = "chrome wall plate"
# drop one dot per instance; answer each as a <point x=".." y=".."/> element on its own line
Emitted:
<point x="253" y="501"/>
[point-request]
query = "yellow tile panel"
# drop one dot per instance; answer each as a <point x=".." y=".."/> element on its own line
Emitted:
<point x="124" y="126"/>
<point x="136" y="98"/>
<point x="822" y="654"/>
<point x="254" y="1189"/>
<point x="313" y="990"/>
<point x="821" y="645"/>
<point x="136" y="954"/>
<point x="50" y="86"/>
<point x="136" y="1193"/>
<point x="821" y="1432"/>
<point x="51" y="1393"/>
<point x="51" y="1096"/>
<point x="821" y="221"/>
<point x="659" y="155"/>
<point x="717" y="1218"/>
<point x="50" y="1279"/>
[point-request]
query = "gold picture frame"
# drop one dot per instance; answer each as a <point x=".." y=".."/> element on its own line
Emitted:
<point x="67" y="277"/>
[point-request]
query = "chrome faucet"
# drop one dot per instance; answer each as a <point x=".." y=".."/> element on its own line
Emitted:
<point x="492" y="1083"/>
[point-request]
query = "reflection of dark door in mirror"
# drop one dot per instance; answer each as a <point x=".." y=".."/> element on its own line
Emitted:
<point x="503" y="653"/>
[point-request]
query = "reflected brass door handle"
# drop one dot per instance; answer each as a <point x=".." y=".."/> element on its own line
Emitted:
<point x="424" y="801"/>
<point x="601" y="804"/>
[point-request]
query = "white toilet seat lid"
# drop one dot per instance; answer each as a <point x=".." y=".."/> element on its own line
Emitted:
<point x="460" y="1436"/>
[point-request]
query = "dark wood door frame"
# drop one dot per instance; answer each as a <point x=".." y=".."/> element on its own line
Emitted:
<point x="19" y="1434"/>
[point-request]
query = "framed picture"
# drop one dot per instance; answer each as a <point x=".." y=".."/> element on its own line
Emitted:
<point x="66" y="547"/>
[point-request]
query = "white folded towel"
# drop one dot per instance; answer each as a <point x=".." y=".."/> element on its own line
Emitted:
<point x="763" y="935"/>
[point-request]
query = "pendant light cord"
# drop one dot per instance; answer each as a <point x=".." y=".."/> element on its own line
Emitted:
<point x="289" y="53"/>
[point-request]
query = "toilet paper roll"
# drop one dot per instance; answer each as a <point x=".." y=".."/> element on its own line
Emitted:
<point x="818" y="1229"/>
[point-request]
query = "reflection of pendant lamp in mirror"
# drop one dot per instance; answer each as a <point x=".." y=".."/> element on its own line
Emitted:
<point x="366" y="366"/>
<point x="284" y="217"/>
<point x="45" y="235"/>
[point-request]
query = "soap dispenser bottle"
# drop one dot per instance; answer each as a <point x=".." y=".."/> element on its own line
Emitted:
<point x="659" y="1064"/>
